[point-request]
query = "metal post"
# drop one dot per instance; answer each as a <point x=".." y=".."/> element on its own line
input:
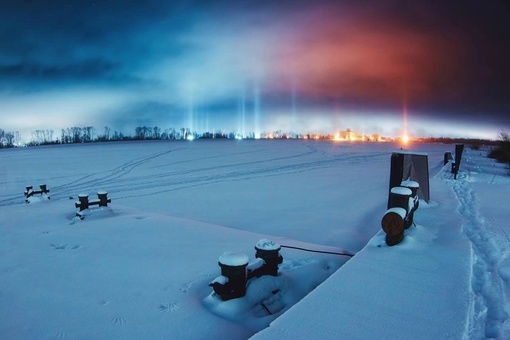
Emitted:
<point x="29" y="191"/>
<point x="233" y="267"/>
<point x="459" y="148"/>
<point x="43" y="188"/>
<point x="393" y="224"/>
<point x="83" y="202"/>
<point x="269" y="251"/>
<point x="447" y="157"/>
<point x="103" y="199"/>
<point x="396" y="171"/>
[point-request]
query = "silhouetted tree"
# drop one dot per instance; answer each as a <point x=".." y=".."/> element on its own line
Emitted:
<point x="156" y="132"/>
<point x="107" y="133"/>
<point x="502" y="152"/>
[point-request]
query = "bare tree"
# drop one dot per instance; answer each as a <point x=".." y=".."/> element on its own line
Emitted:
<point x="156" y="132"/>
<point x="9" y="138"/>
<point x="107" y="133"/>
<point x="48" y="136"/>
<point x="75" y="134"/>
<point x="88" y="133"/>
<point x="147" y="132"/>
<point x="138" y="132"/>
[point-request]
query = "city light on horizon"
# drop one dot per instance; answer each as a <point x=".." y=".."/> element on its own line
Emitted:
<point x="255" y="122"/>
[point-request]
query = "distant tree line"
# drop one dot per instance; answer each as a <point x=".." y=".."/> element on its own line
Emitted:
<point x="502" y="151"/>
<point x="473" y="142"/>
<point x="89" y="134"/>
<point x="9" y="139"/>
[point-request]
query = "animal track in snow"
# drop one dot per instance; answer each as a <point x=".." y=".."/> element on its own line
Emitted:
<point x="64" y="246"/>
<point x="104" y="302"/>
<point x="61" y="335"/>
<point x="119" y="321"/>
<point x="185" y="288"/>
<point x="169" y="307"/>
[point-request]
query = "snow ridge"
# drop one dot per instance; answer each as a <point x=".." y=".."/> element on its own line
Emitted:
<point x="487" y="313"/>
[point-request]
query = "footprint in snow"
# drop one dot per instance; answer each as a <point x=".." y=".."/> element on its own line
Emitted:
<point x="185" y="288"/>
<point x="104" y="302"/>
<point x="119" y="321"/>
<point x="64" y="246"/>
<point x="168" y="307"/>
<point x="61" y="335"/>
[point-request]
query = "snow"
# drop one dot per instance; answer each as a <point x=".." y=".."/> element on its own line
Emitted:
<point x="401" y="191"/>
<point x="410" y="184"/>
<point x="411" y="152"/>
<point x="399" y="211"/>
<point x="141" y="267"/>
<point x="220" y="279"/>
<point x="255" y="264"/>
<point x="268" y="245"/>
<point x="233" y="260"/>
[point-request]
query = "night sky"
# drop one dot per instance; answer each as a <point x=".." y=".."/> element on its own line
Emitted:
<point x="302" y="66"/>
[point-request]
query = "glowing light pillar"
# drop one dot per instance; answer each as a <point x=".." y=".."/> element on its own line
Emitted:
<point x="207" y="122"/>
<point x="190" y="112"/>
<point x="405" y="137"/>
<point x="242" y="113"/>
<point x="256" y="111"/>
<point x="294" y="109"/>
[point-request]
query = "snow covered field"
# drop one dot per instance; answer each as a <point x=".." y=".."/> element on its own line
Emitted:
<point x="141" y="267"/>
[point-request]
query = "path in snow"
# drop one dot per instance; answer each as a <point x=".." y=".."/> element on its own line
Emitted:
<point x="490" y="276"/>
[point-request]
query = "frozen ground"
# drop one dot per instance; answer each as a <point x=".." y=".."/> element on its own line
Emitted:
<point x="141" y="268"/>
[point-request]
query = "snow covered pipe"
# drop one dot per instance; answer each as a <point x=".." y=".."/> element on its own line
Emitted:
<point x="231" y="283"/>
<point x="29" y="191"/>
<point x="402" y="204"/>
<point x="393" y="225"/>
<point x="413" y="202"/>
<point x="236" y="270"/>
<point x="84" y="203"/>
<point x="269" y="252"/>
<point x="399" y="197"/>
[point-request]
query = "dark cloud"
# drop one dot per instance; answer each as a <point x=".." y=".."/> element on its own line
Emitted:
<point x="87" y="69"/>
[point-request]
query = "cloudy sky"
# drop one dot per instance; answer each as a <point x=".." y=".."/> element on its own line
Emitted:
<point x="305" y="66"/>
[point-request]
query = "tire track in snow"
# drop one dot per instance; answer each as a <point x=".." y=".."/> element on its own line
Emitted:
<point x="116" y="179"/>
<point x="116" y="173"/>
<point x="88" y="180"/>
<point x="162" y="176"/>
<point x="170" y="184"/>
<point x="487" y="310"/>
<point x="119" y="181"/>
